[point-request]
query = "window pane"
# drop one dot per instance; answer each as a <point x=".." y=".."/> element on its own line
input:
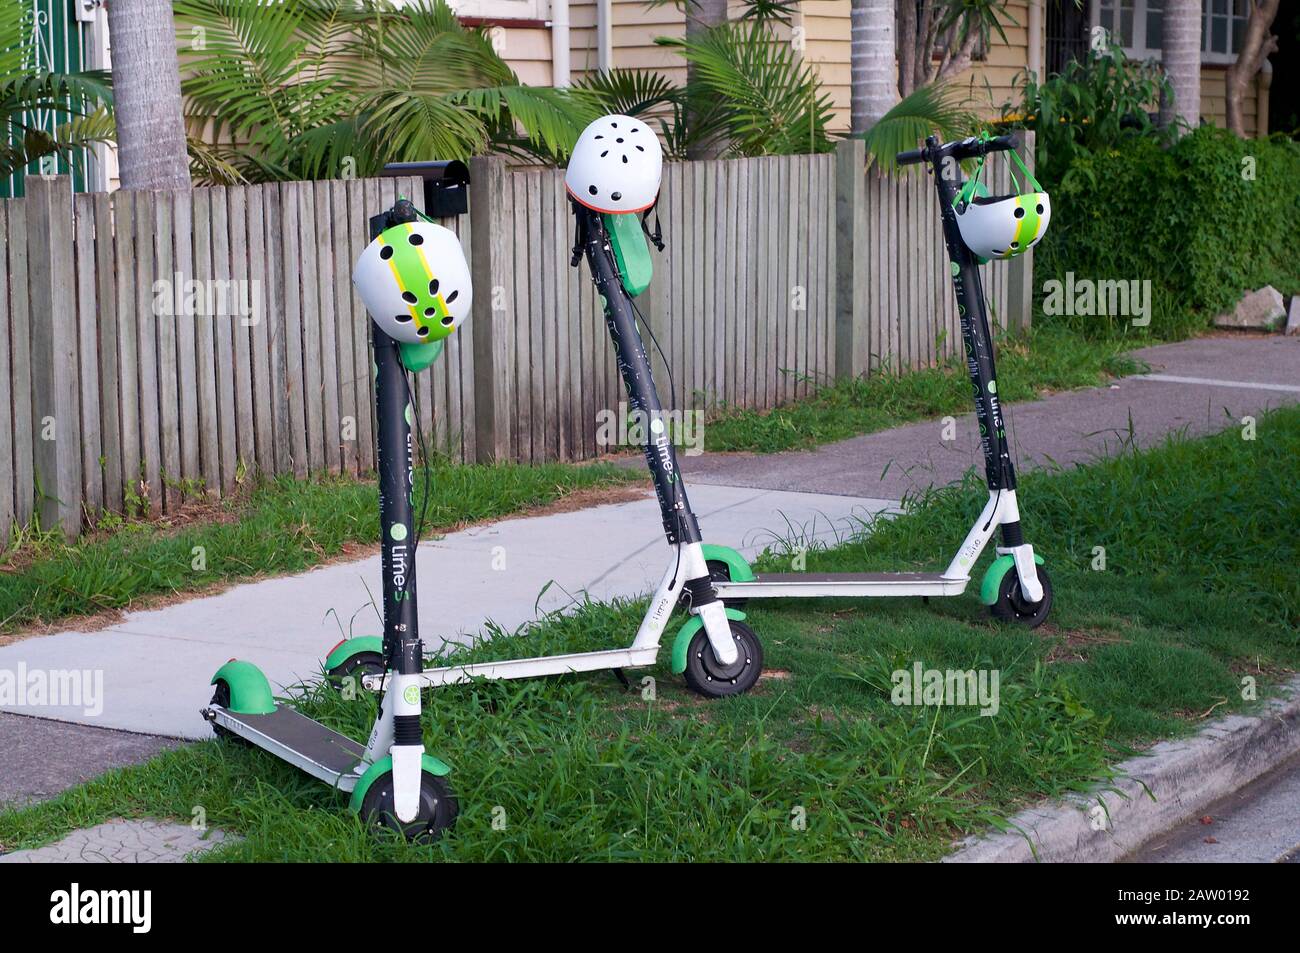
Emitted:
<point x="1238" y="31"/>
<point x="1155" y="29"/>
<point x="1126" y="27"/>
<point x="1220" y="6"/>
<point x="1219" y="35"/>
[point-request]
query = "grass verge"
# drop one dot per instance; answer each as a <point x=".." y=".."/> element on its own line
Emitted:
<point x="1196" y="594"/>
<point x="280" y="526"/>
<point x="1044" y="360"/>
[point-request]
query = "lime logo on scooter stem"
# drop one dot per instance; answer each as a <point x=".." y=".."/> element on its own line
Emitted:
<point x="411" y="695"/>
<point x="397" y="531"/>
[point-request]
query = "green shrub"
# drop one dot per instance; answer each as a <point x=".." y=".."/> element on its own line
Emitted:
<point x="1204" y="221"/>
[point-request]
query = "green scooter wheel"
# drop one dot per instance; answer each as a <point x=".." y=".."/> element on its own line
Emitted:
<point x="438" y="808"/>
<point x="1012" y="606"/>
<point x="707" y="676"/>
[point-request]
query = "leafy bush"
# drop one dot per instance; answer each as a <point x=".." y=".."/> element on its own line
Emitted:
<point x="1204" y="221"/>
<point x="1090" y="106"/>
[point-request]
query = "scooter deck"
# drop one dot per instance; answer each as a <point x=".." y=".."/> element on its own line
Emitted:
<point x="529" y="667"/>
<point x="321" y="752"/>
<point x="787" y="585"/>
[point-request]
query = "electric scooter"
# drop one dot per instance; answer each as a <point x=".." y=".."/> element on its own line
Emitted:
<point x="1023" y="595"/>
<point x="715" y="651"/>
<point x="393" y="782"/>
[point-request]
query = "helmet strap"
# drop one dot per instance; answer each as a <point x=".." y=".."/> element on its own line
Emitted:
<point x="657" y="236"/>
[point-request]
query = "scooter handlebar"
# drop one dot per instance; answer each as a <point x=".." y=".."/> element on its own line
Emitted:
<point x="961" y="149"/>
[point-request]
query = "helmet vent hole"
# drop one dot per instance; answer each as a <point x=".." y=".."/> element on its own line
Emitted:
<point x="592" y="190"/>
<point x="422" y="331"/>
<point x="416" y="239"/>
<point x="1019" y="213"/>
<point x="430" y="312"/>
<point x="403" y="318"/>
<point x="447" y="321"/>
<point x="600" y="137"/>
<point x="625" y="160"/>
<point x="433" y="286"/>
<point x="386" y="252"/>
<point x="409" y="298"/>
<point x="1015" y="244"/>
<point x="452" y="297"/>
<point x="1040" y="208"/>
<point x="619" y="139"/>
<point x="640" y="148"/>
<point x="617" y="196"/>
<point x="613" y="125"/>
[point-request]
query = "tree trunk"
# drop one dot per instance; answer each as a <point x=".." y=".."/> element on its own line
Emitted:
<point x="147" y="96"/>
<point x="906" y="47"/>
<point x="873" y="80"/>
<point x="1258" y="43"/>
<point x="702" y="16"/>
<point x="1182" y="63"/>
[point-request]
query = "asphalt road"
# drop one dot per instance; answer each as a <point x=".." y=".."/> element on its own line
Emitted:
<point x="1258" y="824"/>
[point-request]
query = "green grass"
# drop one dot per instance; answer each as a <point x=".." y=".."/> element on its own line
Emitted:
<point x="1197" y="592"/>
<point x="281" y="526"/>
<point x="1046" y="359"/>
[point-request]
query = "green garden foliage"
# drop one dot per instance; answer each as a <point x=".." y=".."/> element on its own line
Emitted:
<point x="1204" y="221"/>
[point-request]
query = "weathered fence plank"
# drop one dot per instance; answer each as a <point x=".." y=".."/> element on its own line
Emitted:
<point x="92" y="482"/>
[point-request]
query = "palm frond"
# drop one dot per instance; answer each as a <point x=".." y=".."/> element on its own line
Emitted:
<point x="631" y="92"/>
<point x="934" y="109"/>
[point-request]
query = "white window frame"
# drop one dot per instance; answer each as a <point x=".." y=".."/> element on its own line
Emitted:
<point x="1139" y="50"/>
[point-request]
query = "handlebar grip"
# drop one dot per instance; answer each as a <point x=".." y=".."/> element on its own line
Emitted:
<point x="911" y="157"/>
<point x="1003" y="143"/>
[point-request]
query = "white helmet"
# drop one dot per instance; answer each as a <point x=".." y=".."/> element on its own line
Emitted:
<point x="1005" y="226"/>
<point x="415" y="282"/>
<point x="616" y="166"/>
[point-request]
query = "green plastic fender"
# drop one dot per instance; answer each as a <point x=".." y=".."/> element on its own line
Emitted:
<point x="687" y="632"/>
<point x="416" y="357"/>
<point x="736" y="564"/>
<point x="993" y="576"/>
<point x="632" y="254"/>
<point x="250" y="692"/>
<point x="428" y="762"/>
<point x="345" y="650"/>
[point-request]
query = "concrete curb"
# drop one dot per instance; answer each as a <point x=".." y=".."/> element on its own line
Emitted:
<point x="1172" y="782"/>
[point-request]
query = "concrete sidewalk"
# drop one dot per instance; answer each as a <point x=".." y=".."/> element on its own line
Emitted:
<point x="156" y="663"/>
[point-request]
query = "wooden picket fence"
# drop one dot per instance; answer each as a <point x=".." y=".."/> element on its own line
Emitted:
<point x="156" y="345"/>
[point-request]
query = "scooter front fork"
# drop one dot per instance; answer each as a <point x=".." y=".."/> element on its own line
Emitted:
<point x="397" y="733"/>
<point x="706" y="604"/>
<point x="1014" y="545"/>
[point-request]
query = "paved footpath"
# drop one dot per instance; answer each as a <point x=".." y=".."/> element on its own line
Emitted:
<point x="156" y="664"/>
<point x="1202" y="386"/>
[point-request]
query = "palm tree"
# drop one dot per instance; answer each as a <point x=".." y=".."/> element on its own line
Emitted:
<point x="873" y="80"/>
<point x="701" y="17"/>
<point x="151" y="151"/>
<point x="341" y="87"/>
<point x="1181" y="56"/>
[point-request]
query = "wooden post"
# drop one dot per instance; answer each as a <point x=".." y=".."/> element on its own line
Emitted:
<point x="492" y="419"/>
<point x="1020" y="273"/>
<point x="56" y="426"/>
<point x="851" y="345"/>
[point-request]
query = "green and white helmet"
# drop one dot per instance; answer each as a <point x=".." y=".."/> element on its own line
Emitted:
<point x="415" y="282"/>
<point x="1002" y="226"/>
